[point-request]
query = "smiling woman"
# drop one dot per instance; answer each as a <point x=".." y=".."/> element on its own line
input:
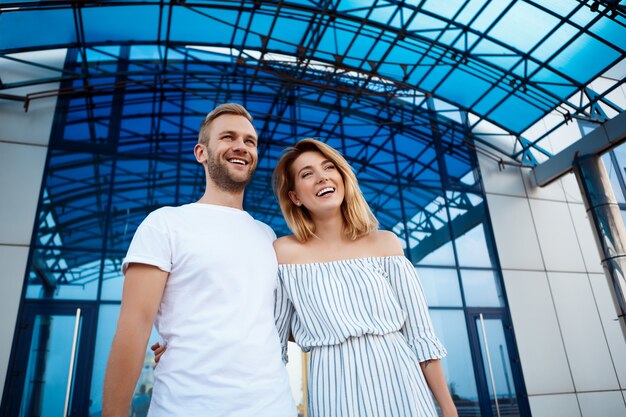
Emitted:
<point x="306" y="163"/>
<point x="350" y="298"/>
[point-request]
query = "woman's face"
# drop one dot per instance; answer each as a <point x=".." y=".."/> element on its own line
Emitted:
<point x="318" y="184"/>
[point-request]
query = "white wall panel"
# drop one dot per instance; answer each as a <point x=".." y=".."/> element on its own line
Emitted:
<point x="507" y="181"/>
<point x="585" y="343"/>
<point x="542" y="354"/>
<point x="13" y="261"/>
<point x="560" y="405"/>
<point x="33" y="126"/>
<point x="611" y="327"/>
<point x="513" y="227"/>
<point x="602" y="404"/>
<point x="587" y="241"/>
<point x="21" y="171"/>
<point x="571" y="188"/>
<point x="557" y="239"/>
<point x="553" y="191"/>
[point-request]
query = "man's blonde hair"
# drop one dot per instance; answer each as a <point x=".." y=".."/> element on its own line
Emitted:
<point x="357" y="215"/>
<point x="222" y="109"/>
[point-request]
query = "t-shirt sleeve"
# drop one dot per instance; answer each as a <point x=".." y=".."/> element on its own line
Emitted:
<point x="150" y="244"/>
<point x="268" y="231"/>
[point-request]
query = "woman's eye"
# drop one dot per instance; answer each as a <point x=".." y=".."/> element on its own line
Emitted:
<point x="329" y="167"/>
<point x="306" y="174"/>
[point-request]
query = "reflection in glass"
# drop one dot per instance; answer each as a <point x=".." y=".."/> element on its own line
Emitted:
<point x="46" y="377"/>
<point x="500" y="367"/>
<point x="457" y="366"/>
<point x="613" y="172"/>
<point x="112" y="279"/>
<point x="442" y="256"/>
<point x="441" y="286"/>
<point x="481" y="288"/>
<point x="62" y="274"/>
<point x="107" y="322"/>
<point x="472" y="248"/>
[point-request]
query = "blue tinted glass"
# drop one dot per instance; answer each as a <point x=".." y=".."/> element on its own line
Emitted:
<point x="462" y="88"/>
<point x="139" y="23"/>
<point x="584" y="58"/>
<point x="441" y="287"/>
<point x="59" y="28"/>
<point x="69" y="275"/>
<point x="382" y="13"/>
<point x="471" y="245"/>
<point x="489" y="14"/>
<point x="490" y="100"/>
<point x="107" y="319"/>
<point x="470" y="9"/>
<point x="516" y="114"/>
<point x="195" y="28"/>
<point x="336" y="41"/>
<point x="481" y="289"/>
<point x="441" y="255"/>
<point x="446" y="9"/>
<point x="562" y="36"/>
<point x="49" y="359"/>
<point x="450" y="327"/>
<point x="523" y="26"/>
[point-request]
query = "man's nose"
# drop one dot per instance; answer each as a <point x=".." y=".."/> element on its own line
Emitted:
<point x="239" y="144"/>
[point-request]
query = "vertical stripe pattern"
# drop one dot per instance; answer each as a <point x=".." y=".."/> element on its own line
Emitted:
<point x="366" y="323"/>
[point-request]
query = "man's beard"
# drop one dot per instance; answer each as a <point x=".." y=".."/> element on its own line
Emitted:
<point x="219" y="174"/>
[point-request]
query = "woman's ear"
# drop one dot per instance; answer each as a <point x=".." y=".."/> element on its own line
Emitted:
<point x="294" y="198"/>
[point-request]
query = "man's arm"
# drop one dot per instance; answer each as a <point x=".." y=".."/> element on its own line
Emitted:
<point x="143" y="289"/>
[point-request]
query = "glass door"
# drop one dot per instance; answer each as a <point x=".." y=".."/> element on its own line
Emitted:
<point x="49" y="373"/>
<point x="499" y="374"/>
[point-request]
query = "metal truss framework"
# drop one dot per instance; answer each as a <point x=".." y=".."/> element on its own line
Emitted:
<point x="401" y="88"/>
<point x="417" y="50"/>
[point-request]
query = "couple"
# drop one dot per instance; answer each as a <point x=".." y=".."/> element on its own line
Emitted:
<point x="207" y="272"/>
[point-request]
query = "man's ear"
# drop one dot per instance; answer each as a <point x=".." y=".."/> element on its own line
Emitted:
<point x="200" y="152"/>
<point x="294" y="198"/>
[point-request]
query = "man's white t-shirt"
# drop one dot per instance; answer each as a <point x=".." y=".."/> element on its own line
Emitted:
<point x="223" y="356"/>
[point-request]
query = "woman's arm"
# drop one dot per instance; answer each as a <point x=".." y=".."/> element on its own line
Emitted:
<point x="437" y="383"/>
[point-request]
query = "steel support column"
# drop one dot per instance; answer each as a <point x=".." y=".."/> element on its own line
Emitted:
<point x="608" y="225"/>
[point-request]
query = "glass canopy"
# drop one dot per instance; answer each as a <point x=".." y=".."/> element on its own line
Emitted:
<point x="506" y="62"/>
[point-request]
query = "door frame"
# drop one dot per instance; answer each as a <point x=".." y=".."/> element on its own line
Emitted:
<point x="18" y="365"/>
<point x="472" y="315"/>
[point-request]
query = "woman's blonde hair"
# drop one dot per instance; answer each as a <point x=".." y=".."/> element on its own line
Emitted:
<point x="357" y="215"/>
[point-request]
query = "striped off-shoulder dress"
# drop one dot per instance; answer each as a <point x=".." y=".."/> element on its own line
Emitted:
<point x="366" y="325"/>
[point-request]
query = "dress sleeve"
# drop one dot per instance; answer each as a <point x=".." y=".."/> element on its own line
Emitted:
<point x="418" y="328"/>
<point x="283" y="313"/>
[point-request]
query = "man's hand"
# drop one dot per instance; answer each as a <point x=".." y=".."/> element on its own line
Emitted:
<point x="143" y="290"/>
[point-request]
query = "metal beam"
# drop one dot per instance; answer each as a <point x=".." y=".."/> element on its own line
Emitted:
<point x="606" y="137"/>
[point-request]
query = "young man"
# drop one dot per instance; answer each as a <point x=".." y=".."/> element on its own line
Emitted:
<point x="207" y="272"/>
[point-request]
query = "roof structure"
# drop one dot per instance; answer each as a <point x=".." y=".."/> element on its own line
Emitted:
<point x="402" y="88"/>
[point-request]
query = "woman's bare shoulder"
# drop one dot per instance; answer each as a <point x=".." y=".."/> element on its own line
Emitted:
<point x="386" y="243"/>
<point x="287" y="249"/>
